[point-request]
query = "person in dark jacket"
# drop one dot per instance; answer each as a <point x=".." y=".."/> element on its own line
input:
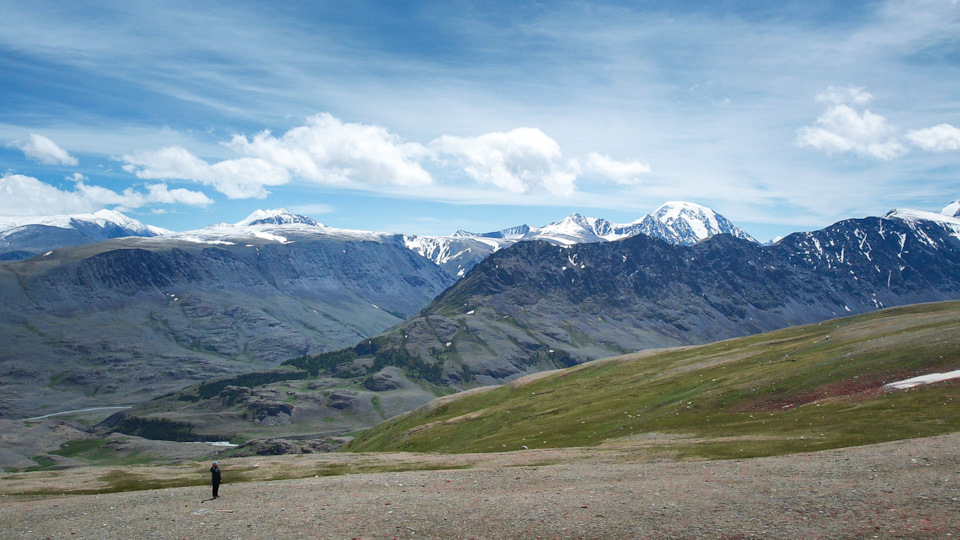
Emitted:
<point x="215" y="478"/>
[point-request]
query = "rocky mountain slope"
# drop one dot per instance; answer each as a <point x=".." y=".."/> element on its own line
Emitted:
<point x="538" y="305"/>
<point x="24" y="237"/>
<point x="128" y="319"/>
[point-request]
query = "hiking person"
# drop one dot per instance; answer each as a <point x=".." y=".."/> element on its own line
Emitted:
<point x="215" y="478"/>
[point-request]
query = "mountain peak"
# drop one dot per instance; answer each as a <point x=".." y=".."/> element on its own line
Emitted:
<point x="912" y="216"/>
<point x="100" y="219"/>
<point x="278" y="216"/>
<point x="575" y="229"/>
<point x="22" y="237"/>
<point x="671" y="210"/>
<point x="682" y="222"/>
<point x="952" y="209"/>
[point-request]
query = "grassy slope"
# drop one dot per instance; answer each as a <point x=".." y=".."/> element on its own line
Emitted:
<point x="787" y="391"/>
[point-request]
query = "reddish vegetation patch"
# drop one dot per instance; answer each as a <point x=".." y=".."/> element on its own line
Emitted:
<point x="861" y="388"/>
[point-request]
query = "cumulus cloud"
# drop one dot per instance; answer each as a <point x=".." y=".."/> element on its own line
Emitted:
<point x="236" y="178"/>
<point x="330" y="151"/>
<point x="520" y="160"/>
<point x="940" y="138"/>
<point x="27" y="196"/>
<point x="160" y="193"/>
<point x="842" y="129"/>
<point x="41" y="149"/>
<point x="621" y="172"/>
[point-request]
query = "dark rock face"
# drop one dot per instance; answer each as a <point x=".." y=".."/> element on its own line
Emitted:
<point x="341" y="399"/>
<point x="279" y="446"/>
<point x="124" y="320"/>
<point x="271" y="413"/>
<point x="536" y="306"/>
<point x="389" y="378"/>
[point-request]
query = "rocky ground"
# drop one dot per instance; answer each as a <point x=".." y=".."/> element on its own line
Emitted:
<point x="902" y="489"/>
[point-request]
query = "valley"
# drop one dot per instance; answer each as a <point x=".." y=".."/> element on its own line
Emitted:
<point x="786" y="433"/>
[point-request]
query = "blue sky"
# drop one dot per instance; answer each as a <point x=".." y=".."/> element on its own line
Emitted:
<point x="428" y="117"/>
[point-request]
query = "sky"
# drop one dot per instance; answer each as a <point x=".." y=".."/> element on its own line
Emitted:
<point x="429" y="117"/>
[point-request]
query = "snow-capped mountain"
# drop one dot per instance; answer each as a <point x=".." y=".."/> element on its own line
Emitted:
<point x="686" y="223"/>
<point x="952" y="209"/>
<point x="574" y="229"/>
<point x="511" y="233"/>
<point x="23" y="237"/>
<point x="279" y="225"/>
<point x="919" y="219"/>
<point x="279" y="216"/>
<point x="455" y="254"/>
<point x="675" y="222"/>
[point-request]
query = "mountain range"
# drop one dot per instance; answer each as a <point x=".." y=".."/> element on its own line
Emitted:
<point x="24" y="237"/>
<point x="125" y="319"/>
<point x="537" y="306"/>
<point x="676" y="222"/>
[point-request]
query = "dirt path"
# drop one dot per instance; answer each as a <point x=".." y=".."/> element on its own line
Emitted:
<point x="903" y="489"/>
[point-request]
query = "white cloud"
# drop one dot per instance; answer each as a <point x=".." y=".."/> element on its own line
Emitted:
<point x="313" y="208"/>
<point x="236" y="178"/>
<point x="43" y="150"/>
<point x="621" y="172"/>
<point x="27" y="196"/>
<point x="160" y="193"/>
<point x="842" y="129"/>
<point x="939" y="138"/>
<point x="837" y="95"/>
<point x="519" y="161"/>
<point x="329" y="151"/>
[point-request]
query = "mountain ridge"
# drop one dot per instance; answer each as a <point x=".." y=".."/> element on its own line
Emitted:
<point x="24" y="237"/>
<point x="536" y="305"/>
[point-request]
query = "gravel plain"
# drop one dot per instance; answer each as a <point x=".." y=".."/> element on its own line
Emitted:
<point x="908" y="488"/>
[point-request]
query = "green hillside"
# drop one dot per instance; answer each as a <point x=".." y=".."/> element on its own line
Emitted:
<point x="800" y="389"/>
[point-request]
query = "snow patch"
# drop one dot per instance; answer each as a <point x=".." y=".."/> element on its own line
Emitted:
<point x="198" y="240"/>
<point x="923" y="379"/>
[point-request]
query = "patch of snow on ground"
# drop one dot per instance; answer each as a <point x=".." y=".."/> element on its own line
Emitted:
<point x="923" y="379"/>
<point x="269" y="236"/>
<point x="198" y="240"/>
